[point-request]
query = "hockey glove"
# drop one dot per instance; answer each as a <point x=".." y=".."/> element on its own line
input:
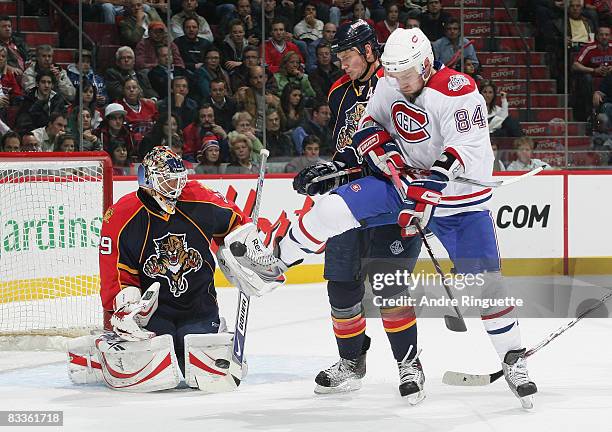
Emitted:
<point x="377" y="147"/>
<point x="424" y="196"/>
<point x="304" y="185"/>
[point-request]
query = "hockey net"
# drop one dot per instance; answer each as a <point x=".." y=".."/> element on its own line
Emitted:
<point x="50" y="222"/>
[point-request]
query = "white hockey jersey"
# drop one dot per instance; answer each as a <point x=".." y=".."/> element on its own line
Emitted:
<point x="449" y="114"/>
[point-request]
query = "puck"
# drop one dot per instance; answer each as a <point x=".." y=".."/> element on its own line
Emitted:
<point x="222" y="363"/>
<point x="238" y="249"/>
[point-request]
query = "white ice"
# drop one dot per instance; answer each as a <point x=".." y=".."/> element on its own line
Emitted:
<point x="290" y="340"/>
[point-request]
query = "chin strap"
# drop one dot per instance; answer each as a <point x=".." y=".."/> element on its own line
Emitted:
<point x="428" y="76"/>
<point x="367" y="69"/>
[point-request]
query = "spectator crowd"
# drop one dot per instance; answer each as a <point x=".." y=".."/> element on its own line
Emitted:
<point x="205" y="84"/>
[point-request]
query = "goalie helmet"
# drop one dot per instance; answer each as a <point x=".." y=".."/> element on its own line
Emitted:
<point x="405" y="49"/>
<point x="163" y="174"/>
<point x="355" y="35"/>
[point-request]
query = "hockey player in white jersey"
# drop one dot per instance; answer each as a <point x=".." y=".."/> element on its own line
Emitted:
<point x="437" y="121"/>
<point x="426" y="116"/>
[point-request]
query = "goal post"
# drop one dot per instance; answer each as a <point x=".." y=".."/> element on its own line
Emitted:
<point x="51" y="211"/>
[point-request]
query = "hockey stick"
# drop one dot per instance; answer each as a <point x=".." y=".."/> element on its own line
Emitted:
<point x="453" y="322"/>
<point x="464" y="379"/>
<point x="244" y="300"/>
<point x="410" y="170"/>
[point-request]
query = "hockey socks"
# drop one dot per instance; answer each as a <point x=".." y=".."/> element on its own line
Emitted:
<point x="400" y="326"/>
<point x="349" y="328"/>
<point x="503" y="329"/>
<point x="501" y="324"/>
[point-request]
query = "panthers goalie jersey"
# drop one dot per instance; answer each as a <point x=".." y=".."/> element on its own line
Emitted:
<point x="449" y="114"/>
<point x="140" y="244"/>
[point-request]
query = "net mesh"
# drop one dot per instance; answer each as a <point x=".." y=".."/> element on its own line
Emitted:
<point x="50" y="221"/>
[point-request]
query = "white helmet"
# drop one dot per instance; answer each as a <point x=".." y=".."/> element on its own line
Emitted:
<point x="405" y="49"/>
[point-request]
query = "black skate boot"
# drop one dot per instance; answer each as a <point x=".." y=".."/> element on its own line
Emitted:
<point x="343" y="376"/>
<point x="517" y="377"/>
<point x="412" y="380"/>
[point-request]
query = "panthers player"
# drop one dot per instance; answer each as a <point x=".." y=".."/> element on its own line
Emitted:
<point x="383" y="247"/>
<point x="163" y="236"/>
<point x="430" y="117"/>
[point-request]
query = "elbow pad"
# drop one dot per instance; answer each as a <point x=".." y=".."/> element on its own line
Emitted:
<point x="448" y="166"/>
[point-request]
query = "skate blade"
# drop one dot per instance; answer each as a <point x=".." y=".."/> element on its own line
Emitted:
<point x="527" y="402"/>
<point x="345" y="387"/>
<point x="416" y="398"/>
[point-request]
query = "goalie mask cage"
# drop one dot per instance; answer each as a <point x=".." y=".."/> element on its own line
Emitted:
<point x="52" y="210"/>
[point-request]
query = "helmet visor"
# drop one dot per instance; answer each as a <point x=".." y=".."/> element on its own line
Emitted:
<point x="407" y="81"/>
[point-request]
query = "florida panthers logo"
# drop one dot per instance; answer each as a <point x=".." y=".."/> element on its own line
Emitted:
<point x="173" y="259"/>
<point x="410" y="122"/>
<point x="351" y="121"/>
<point x="457" y="82"/>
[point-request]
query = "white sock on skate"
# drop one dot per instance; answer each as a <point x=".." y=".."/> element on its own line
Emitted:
<point x="504" y="333"/>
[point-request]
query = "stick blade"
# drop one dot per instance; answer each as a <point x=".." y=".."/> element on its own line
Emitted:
<point x="454" y="323"/>
<point x="469" y="380"/>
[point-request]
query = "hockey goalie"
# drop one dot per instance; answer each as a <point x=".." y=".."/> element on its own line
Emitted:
<point x="157" y="286"/>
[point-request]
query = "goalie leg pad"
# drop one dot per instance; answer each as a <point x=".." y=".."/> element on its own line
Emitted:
<point x="83" y="364"/>
<point x="142" y="366"/>
<point x="207" y="362"/>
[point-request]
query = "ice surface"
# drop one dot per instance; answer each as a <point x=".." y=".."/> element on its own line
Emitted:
<point x="290" y="339"/>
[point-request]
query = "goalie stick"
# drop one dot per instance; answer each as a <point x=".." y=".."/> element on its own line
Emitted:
<point x="453" y="322"/>
<point x="242" y="313"/>
<point x="465" y="379"/>
<point x="410" y="170"/>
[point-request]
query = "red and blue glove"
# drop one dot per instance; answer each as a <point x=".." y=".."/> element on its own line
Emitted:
<point x="378" y="147"/>
<point x="424" y="196"/>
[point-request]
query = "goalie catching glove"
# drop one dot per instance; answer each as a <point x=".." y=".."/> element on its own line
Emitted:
<point x="378" y="148"/>
<point x="133" y="311"/>
<point x="248" y="263"/>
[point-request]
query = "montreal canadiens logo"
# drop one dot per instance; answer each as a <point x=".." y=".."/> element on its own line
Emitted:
<point x="355" y="187"/>
<point x="410" y="122"/>
<point x="457" y="82"/>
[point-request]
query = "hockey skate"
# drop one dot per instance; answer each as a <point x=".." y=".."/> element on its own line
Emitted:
<point x="515" y="372"/>
<point x="343" y="376"/>
<point x="412" y="379"/>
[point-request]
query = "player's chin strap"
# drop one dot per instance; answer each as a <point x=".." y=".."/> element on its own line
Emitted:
<point x="369" y="66"/>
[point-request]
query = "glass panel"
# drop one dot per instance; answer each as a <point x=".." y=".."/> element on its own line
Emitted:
<point x="542" y="67"/>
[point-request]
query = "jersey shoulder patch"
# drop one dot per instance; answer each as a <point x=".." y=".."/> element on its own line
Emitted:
<point x="340" y="82"/>
<point x="451" y="83"/>
<point x="195" y="191"/>
<point x="123" y="210"/>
